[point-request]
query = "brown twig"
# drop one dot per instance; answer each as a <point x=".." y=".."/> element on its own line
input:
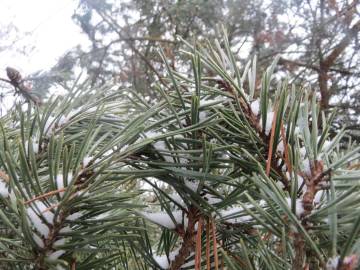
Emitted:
<point x="43" y="196"/>
<point x="299" y="245"/>
<point x="198" y="246"/>
<point x="289" y="62"/>
<point x="271" y="143"/>
<point x="313" y="184"/>
<point x="73" y="264"/>
<point x="188" y="244"/>
<point x="216" y="259"/>
<point x="286" y="150"/>
<point x="208" y="260"/>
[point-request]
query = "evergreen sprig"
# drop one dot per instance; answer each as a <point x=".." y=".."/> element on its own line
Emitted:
<point x="225" y="172"/>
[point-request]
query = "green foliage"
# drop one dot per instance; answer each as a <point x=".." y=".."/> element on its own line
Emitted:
<point x="212" y="171"/>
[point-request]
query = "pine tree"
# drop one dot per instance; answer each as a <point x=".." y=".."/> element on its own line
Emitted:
<point x="213" y="176"/>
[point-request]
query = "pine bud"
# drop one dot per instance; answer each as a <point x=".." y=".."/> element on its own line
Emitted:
<point x="13" y="75"/>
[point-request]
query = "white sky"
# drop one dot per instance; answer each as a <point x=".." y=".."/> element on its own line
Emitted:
<point x="51" y="31"/>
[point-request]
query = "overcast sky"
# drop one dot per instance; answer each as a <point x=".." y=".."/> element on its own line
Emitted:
<point x="45" y="25"/>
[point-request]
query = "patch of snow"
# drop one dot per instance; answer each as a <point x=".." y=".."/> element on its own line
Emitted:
<point x="86" y="161"/>
<point x="202" y="116"/>
<point x="163" y="261"/>
<point x="49" y="126"/>
<point x="191" y="185"/>
<point x="177" y="198"/>
<point x="297" y="131"/>
<point x="213" y="101"/>
<point x="281" y="147"/>
<point x="108" y="153"/>
<point x="60" y="181"/>
<point x="307" y="167"/>
<point x="160" y="146"/>
<point x="73" y="113"/>
<point x="300" y="181"/>
<point x="262" y="203"/>
<point x="255" y="107"/>
<point x="91" y="110"/>
<point x="103" y="215"/>
<point x="302" y="151"/>
<point x="4" y="189"/>
<point x="299" y="208"/>
<point x="163" y="218"/>
<point x="225" y="155"/>
<point x="327" y="144"/>
<point x="280" y="184"/>
<point x="213" y="140"/>
<point x="38" y="240"/>
<point x="233" y="215"/>
<point x="183" y="160"/>
<point x="269" y="120"/>
<point x="152" y="134"/>
<point x="40" y="209"/>
<point x="212" y="199"/>
<point x="63" y="120"/>
<point x="318" y="196"/>
<point x="66" y="229"/>
<point x="55" y="255"/>
<point x="74" y="216"/>
<point x="35" y="146"/>
<point x="59" y="242"/>
<point x="332" y="263"/>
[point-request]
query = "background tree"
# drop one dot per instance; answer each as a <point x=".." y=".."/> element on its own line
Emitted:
<point x="318" y="42"/>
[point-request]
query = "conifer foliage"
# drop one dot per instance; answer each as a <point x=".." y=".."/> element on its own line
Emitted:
<point x="223" y="173"/>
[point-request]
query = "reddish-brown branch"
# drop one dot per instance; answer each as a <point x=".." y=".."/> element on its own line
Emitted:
<point x="198" y="246"/>
<point x="286" y="150"/>
<point x="341" y="46"/>
<point x="208" y="260"/>
<point x="327" y="62"/>
<point x="271" y="143"/>
<point x="289" y="63"/>
<point x="188" y="244"/>
<point x="216" y="259"/>
<point x="313" y="184"/>
<point x="43" y="196"/>
<point x="73" y="264"/>
<point x="299" y="245"/>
